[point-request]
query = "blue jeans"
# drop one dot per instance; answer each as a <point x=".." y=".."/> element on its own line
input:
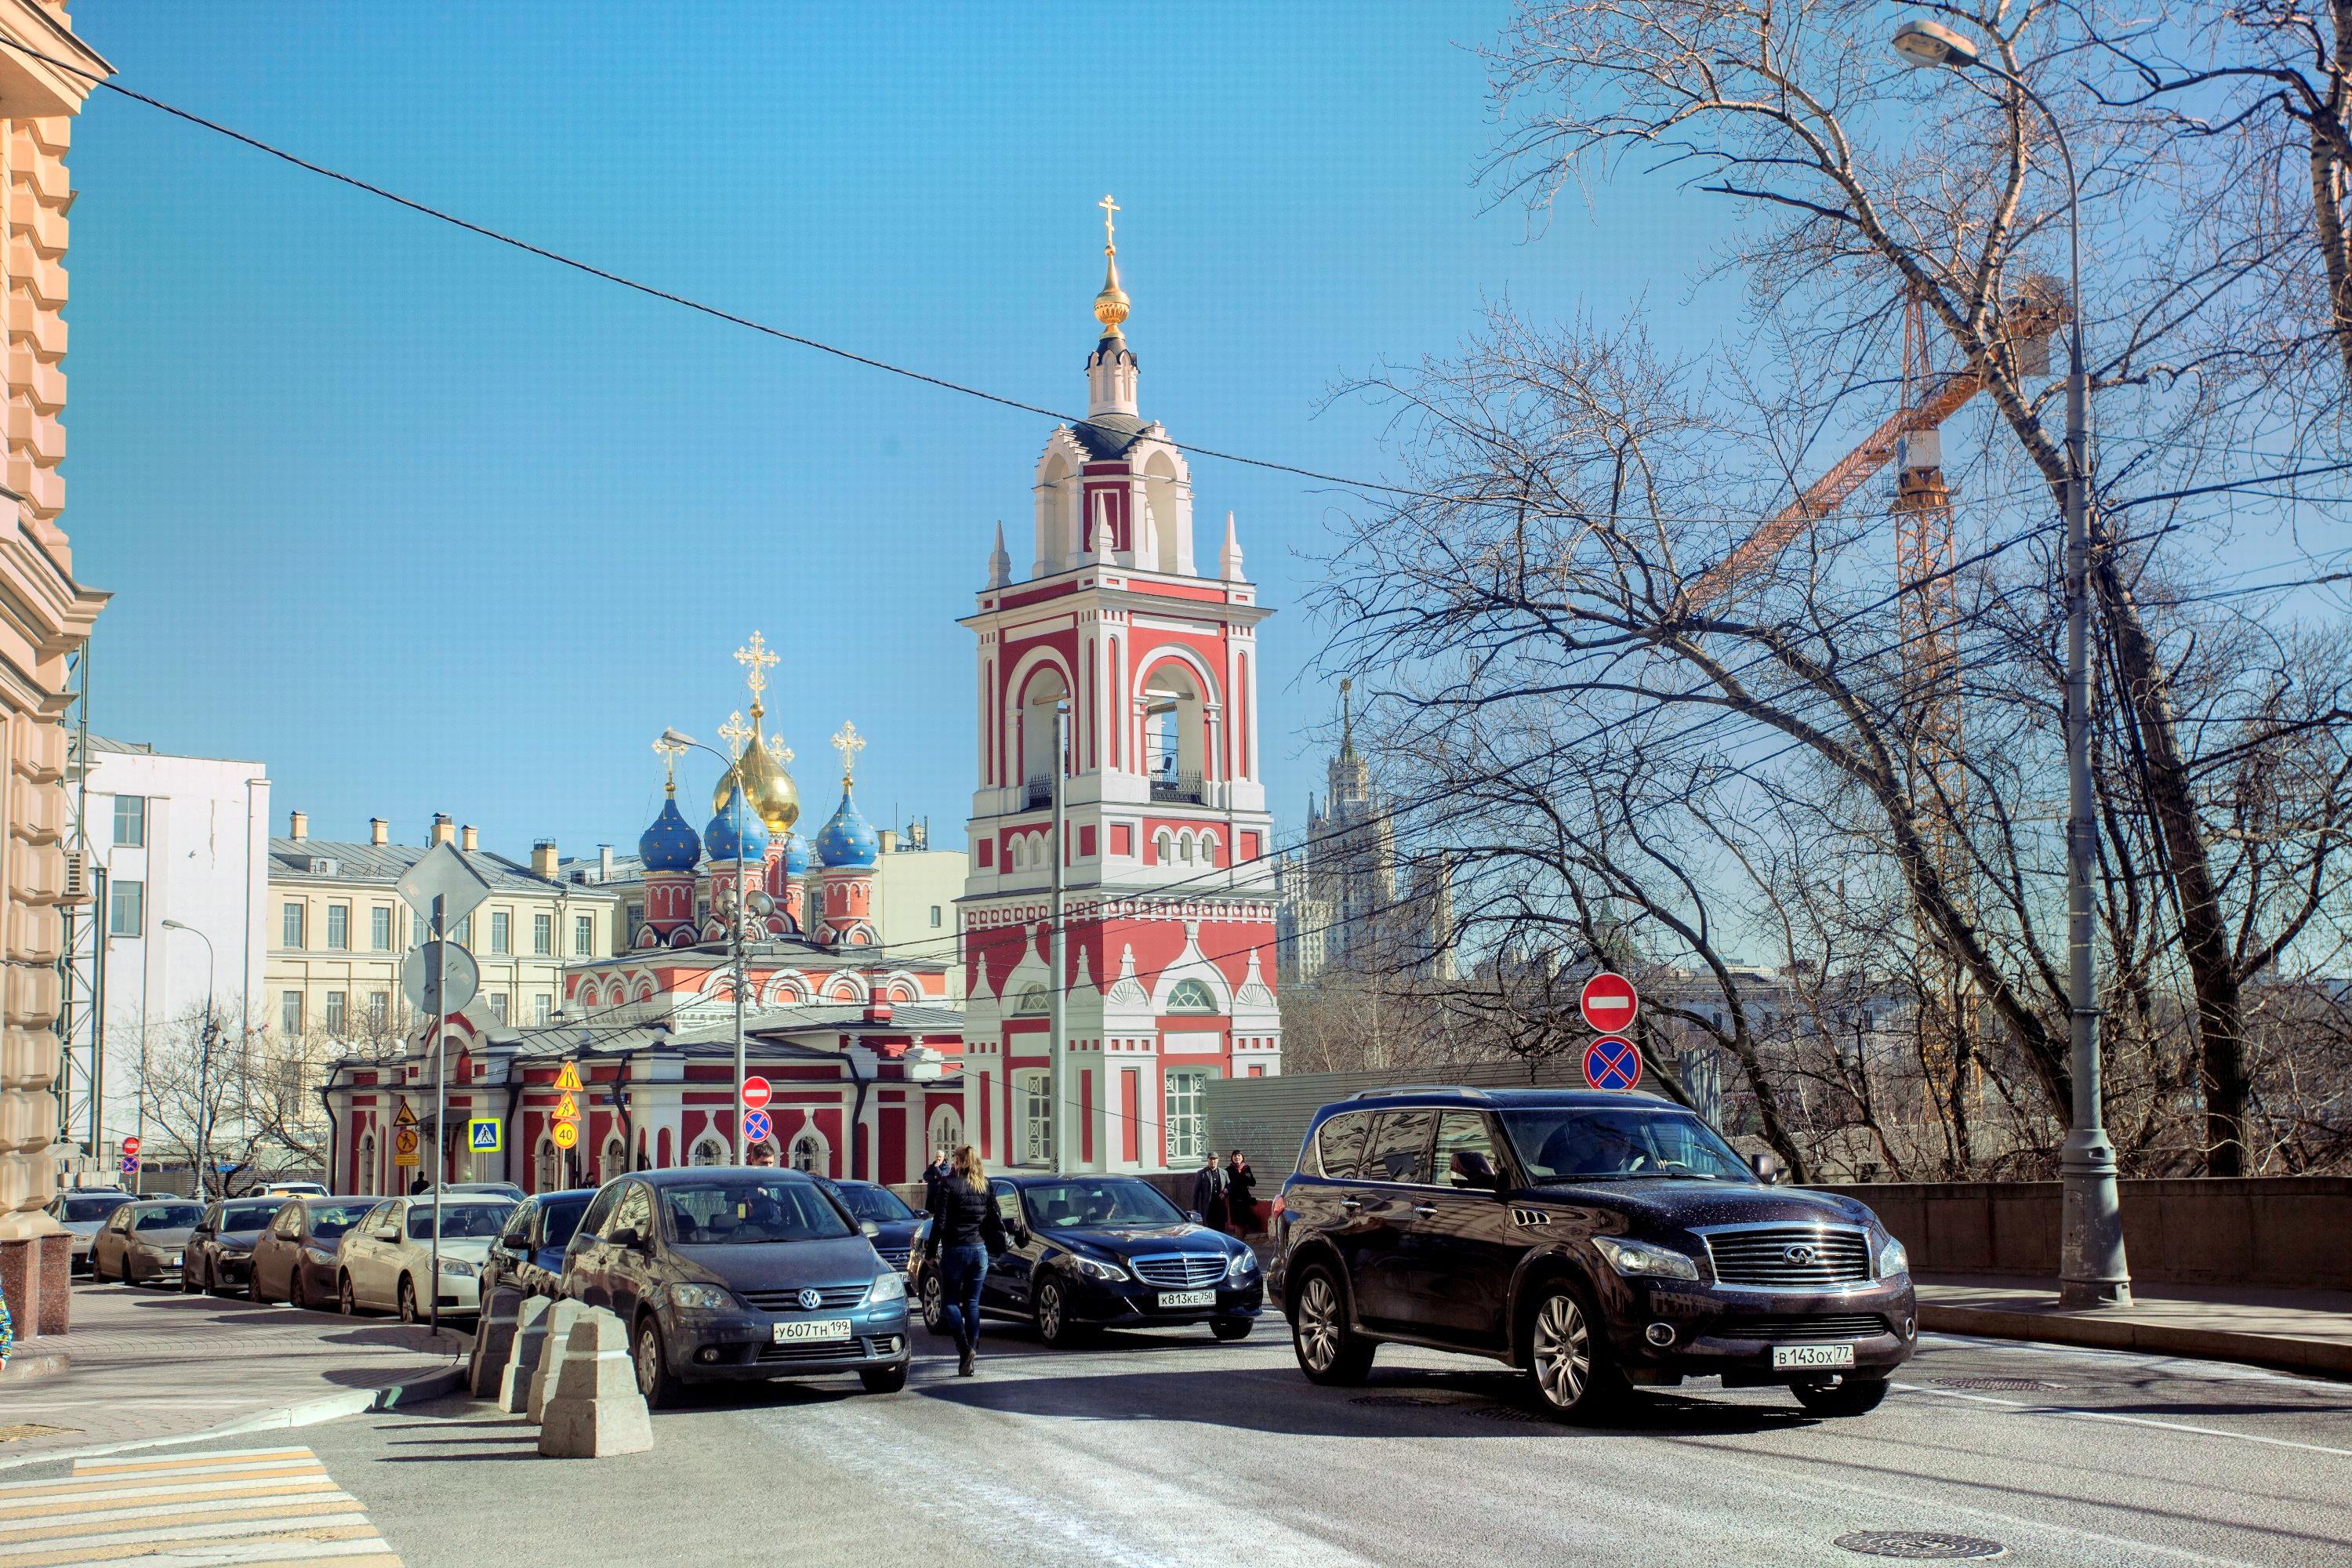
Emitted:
<point x="961" y="1270"/>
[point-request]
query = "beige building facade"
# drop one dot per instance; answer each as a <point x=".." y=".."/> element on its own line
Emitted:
<point x="45" y="615"/>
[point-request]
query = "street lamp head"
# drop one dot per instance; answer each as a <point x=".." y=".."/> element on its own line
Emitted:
<point x="677" y="737"/>
<point x="175" y="925"/>
<point x="1933" y="43"/>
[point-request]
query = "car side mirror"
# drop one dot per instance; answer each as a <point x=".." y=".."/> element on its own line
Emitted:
<point x="1192" y="1215"/>
<point x="627" y="1237"/>
<point x="1767" y="1167"/>
<point x="869" y="1227"/>
<point x="389" y="1233"/>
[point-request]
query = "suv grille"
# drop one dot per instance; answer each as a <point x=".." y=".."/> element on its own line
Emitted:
<point x="1791" y="1257"/>
<point x="836" y="1299"/>
<point x="895" y="1256"/>
<point x="1832" y="1326"/>
<point x="1180" y="1271"/>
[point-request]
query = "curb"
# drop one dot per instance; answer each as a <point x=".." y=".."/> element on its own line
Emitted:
<point x="309" y="1413"/>
<point x="24" y="1365"/>
<point x="2324" y="1358"/>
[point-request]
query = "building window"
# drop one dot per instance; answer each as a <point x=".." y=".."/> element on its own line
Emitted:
<point x="498" y="1006"/>
<point x="464" y="935"/>
<point x="538" y="1007"/>
<point x="129" y="821"/>
<point x="1032" y="999"/>
<point x="334" y="1011"/>
<point x="947" y="1132"/>
<point x="126" y="910"/>
<point x="379" y="929"/>
<point x="583" y="935"/>
<point x="709" y="1151"/>
<point x="289" y="931"/>
<point x="808" y="1155"/>
<point x="1192" y="996"/>
<point x="379" y="1008"/>
<point x="636" y="918"/>
<point x="1033" y="1101"/>
<point x="339" y="927"/>
<point x="1188" y="1118"/>
<point x="501" y="930"/>
<point x="935" y="917"/>
<point x="289" y="1012"/>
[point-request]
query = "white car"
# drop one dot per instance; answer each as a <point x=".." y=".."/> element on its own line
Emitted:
<point x="382" y="1263"/>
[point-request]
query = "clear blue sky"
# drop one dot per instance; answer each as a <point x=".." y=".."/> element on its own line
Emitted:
<point x="426" y="525"/>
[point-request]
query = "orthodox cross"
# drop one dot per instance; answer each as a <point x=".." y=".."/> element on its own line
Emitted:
<point x="670" y="751"/>
<point x="1111" y="239"/>
<point x="735" y="732"/>
<point x="848" y="742"/>
<point x="778" y="750"/>
<point x="756" y="660"/>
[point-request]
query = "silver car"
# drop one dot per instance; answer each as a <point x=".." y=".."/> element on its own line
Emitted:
<point x="382" y="1263"/>
<point x="82" y="1211"/>
<point x="144" y="1240"/>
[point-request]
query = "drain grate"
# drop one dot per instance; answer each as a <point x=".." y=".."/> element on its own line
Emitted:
<point x="1405" y="1401"/>
<point x="2002" y="1385"/>
<point x="1512" y="1413"/>
<point x="1920" y="1545"/>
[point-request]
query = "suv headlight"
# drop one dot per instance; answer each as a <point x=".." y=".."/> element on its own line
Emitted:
<point x="1244" y="1265"/>
<point x="1095" y="1269"/>
<point x="458" y="1266"/>
<point x="888" y="1286"/>
<point x="1893" y="1259"/>
<point x="708" y="1298"/>
<point x="1639" y="1259"/>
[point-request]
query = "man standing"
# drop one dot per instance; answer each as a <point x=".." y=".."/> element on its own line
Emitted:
<point x="1209" y="1192"/>
<point x="934" y="1173"/>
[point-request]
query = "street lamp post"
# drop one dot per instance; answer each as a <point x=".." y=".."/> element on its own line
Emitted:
<point x="202" y="1152"/>
<point x="2092" y="1271"/>
<point x="737" y="920"/>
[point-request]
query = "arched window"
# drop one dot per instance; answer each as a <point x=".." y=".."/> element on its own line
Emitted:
<point x="709" y="1151"/>
<point x="1163" y="848"/>
<point x="1209" y="848"/>
<point x="809" y="1153"/>
<point x="947" y="1132"/>
<point x="367" y="1166"/>
<point x="1174" y="732"/>
<point x="615" y="1160"/>
<point x="1032" y="999"/>
<point x="547" y="1175"/>
<point x="1192" y="996"/>
<point x="1184" y="849"/>
<point x="1044" y="692"/>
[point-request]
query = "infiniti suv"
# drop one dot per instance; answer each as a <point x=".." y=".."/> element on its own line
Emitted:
<point x="1593" y="1241"/>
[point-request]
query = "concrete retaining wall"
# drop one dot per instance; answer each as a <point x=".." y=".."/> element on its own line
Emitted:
<point x="2272" y="1232"/>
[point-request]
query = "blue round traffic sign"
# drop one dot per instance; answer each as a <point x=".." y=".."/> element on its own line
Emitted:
<point x="756" y="1127"/>
<point x="1611" y="1062"/>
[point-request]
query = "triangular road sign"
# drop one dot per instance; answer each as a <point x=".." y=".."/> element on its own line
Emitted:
<point x="567" y="1110"/>
<point x="569" y="1079"/>
<point x="408" y="1117"/>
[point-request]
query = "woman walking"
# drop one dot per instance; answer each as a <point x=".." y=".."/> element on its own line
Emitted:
<point x="966" y="1233"/>
<point x="1241" y="1200"/>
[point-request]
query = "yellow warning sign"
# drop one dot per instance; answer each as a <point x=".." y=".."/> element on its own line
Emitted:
<point x="407" y="1118"/>
<point x="404" y="1146"/>
<point x="565" y="1134"/>
<point x="569" y="1079"/>
<point x="567" y="1110"/>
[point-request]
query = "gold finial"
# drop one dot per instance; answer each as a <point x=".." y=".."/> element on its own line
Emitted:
<point x="735" y="732"/>
<point x="670" y="751"/>
<point x="848" y="742"/>
<point x="1111" y="305"/>
<point x="756" y="660"/>
<point x="778" y="750"/>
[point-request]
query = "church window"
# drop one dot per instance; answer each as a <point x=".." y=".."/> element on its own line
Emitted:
<point x="709" y="1151"/>
<point x="808" y="1153"/>
<point x="947" y="1131"/>
<point x="1192" y="996"/>
<point x="1032" y="1000"/>
<point x="1184" y="849"/>
<point x="1163" y="848"/>
<point x="1209" y="848"/>
<point x="1187" y="1120"/>
<point x="1032" y="1105"/>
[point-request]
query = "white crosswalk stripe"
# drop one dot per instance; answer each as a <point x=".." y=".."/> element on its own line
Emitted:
<point x="249" y="1506"/>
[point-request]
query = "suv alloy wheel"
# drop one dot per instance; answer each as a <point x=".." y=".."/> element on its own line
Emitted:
<point x="1568" y="1362"/>
<point x="1329" y="1351"/>
<point x="935" y="1310"/>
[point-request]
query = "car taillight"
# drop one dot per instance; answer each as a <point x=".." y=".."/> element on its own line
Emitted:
<point x="1274" y="1211"/>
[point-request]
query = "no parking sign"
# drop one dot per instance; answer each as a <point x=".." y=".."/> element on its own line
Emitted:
<point x="1611" y="1062"/>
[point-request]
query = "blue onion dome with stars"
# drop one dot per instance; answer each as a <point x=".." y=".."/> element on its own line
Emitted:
<point x="796" y="853"/>
<point x="722" y="840"/>
<point x="848" y="839"/>
<point x="669" y="844"/>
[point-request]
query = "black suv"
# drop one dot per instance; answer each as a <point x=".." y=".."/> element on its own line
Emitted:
<point x="1594" y="1241"/>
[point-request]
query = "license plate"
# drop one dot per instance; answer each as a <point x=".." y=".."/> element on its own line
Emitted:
<point x="1812" y="1355"/>
<point x="816" y="1328"/>
<point x="1188" y="1298"/>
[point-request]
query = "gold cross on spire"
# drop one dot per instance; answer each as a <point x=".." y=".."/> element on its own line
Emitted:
<point x="778" y="750"/>
<point x="756" y="660"/>
<point x="735" y="732"/>
<point x="670" y="751"/>
<point x="848" y="742"/>
<point x="1110" y="235"/>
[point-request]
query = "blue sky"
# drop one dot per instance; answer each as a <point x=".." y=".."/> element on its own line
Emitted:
<point x="426" y="525"/>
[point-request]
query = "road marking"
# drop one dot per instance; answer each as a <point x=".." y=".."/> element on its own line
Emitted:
<point x="2033" y="1409"/>
<point x="250" y="1506"/>
<point x="2172" y="1367"/>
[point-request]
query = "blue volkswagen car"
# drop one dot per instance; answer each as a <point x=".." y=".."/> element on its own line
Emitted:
<point x="737" y="1273"/>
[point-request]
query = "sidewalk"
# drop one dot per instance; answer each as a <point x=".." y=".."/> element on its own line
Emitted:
<point x="2290" y="1331"/>
<point x="149" y="1366"/>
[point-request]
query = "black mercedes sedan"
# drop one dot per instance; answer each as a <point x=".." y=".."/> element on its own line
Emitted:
<point x="1096" y="1251"/>
<point x="885" y="1215"/>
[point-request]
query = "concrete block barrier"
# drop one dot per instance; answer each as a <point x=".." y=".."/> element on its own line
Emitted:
<point x="596" y="1411"/>
<point x="559" y="1320"/>
<point x="523" y="1355"/>
<point x="494" y="1336"/>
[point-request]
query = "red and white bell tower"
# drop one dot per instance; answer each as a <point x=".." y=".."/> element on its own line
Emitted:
<point x="1167" y="868"/>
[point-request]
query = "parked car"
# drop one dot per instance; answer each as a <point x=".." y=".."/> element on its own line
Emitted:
<point x="506" y="1190"/>
<point x="1594" y="1241"/>
<point x="883" y="1215"/>
<point x="293" y="1190"/>
<point x="529" y="1252"/>
<point x="739" y="1273"/>
<point x="1093" y="1252"/>
<point x="142" y="1240"/>
<point x="379" y="1261"/>
<point x="219" y="1253"/>
<point x="83" y="1211"/>
<point x="294" y="1260"/>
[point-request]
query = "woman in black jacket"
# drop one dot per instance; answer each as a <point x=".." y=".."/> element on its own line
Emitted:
<point x="966" y="1232"/>
<point x="1241" y="1199"/>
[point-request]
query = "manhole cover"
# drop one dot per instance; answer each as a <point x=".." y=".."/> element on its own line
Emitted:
<point x="1920" y="1545"/>
<point x="2002" y="1385"/>
<point x="1395" y="1401"/>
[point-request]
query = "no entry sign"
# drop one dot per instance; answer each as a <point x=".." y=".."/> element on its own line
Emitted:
<point x="130" y="1145"/>
<point x="1608" y="1003"/>
<point x="757" y="1093"/>
<point x="1611" y="1062"/>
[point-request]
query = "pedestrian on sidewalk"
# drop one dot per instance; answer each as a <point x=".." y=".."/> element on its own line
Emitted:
<point x="934" y="1174"/>
<point x="1210" y="1191"/>
<point x="1240" y="1185"/>
<point x="966" y="1234"/>
<point x="7" y="1333"/>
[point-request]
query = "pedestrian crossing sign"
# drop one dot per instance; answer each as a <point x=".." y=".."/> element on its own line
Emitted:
<point x="482" y="1134"/>
<point x="569" y="1079"/>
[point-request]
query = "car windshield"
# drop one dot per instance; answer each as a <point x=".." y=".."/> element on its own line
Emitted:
<point x="173" y="1217"/>
<point x="459" y="1222"/>
<point x="1118" y="1200"/>
<point x="1562" y="1143"/>
<point x="83" y="1211"/>
<point x="868" y="1201"/>
<point x="737" y="1211"/>
<point x="329" y="1221"/>
<point x="563" y="1218"/>
<point x="244" y="1218"/>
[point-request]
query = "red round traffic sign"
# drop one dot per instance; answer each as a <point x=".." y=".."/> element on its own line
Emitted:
<point x="130" y="1145"/>
<point x="756" y="1094"/>
<point x="1608" y="1003"/>
<point x="1611" y="1062"/>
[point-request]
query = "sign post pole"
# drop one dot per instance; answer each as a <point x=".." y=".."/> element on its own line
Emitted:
<point x="435" y="970"/>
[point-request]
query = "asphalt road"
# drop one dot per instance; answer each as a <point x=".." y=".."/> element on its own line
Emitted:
<point x="1171" y="1450"/>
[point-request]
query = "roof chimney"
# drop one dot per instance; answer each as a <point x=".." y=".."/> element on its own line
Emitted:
<point x="442" y="831"/>
<point x="888" y="838"/>
<point x="473" y="840"/>
<point x="379" y="830"/>
<point x="543" y="858"/>
<point x="298" y="825"/>
<point x="603" y="862"/>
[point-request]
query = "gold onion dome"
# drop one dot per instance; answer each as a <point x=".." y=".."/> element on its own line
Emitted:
<point x="766" y="785"/>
